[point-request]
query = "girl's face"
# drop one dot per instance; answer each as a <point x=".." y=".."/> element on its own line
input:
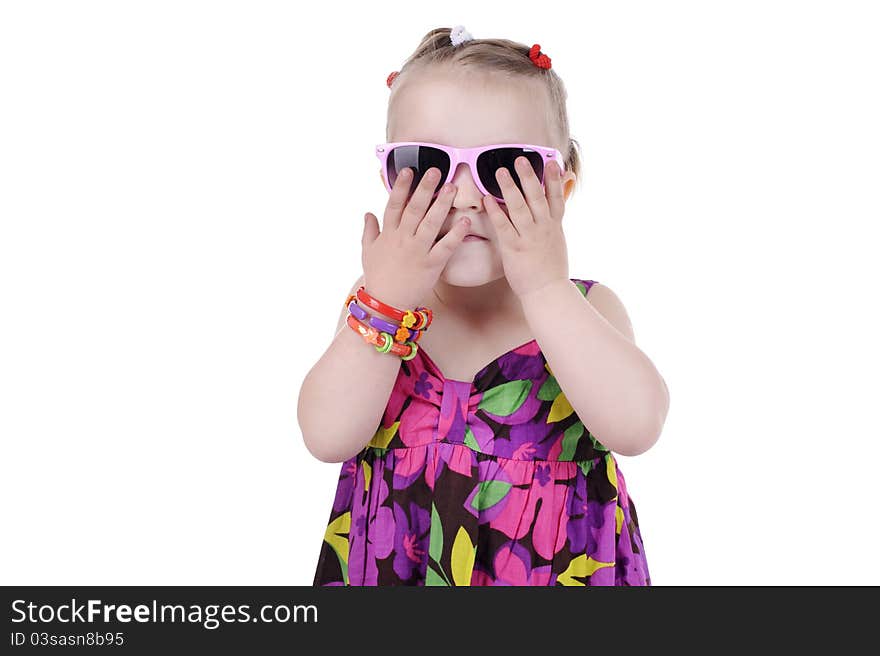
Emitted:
<point x="464" y="109"/>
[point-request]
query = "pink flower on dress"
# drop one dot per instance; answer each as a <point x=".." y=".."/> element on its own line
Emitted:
<point x="531" y="482"/>
<point x="513" y="566"/>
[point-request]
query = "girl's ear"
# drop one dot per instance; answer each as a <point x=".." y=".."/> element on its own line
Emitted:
<point x="568" y="181"/>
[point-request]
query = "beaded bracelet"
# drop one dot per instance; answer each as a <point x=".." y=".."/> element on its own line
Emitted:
<point x="383" y="342"/>
<point x="400" y="333"/>
<point x="418" y="319"/>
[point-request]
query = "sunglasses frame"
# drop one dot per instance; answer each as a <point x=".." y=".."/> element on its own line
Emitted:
<point x="469" y="156"/>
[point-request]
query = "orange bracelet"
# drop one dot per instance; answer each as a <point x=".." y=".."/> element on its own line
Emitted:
<point x="383" y="342"/>
<point x="418" y="319"/>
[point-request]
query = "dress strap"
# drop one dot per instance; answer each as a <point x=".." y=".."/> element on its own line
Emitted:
<point x="583" y="285"/>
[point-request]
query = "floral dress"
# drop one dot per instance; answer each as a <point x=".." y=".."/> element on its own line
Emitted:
<point x="494" y="481"/>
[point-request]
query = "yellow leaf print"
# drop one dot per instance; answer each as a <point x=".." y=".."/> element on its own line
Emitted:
<point x="560" y="409"/>
<point x="582" y="566"/>
<point x="611" y="469"/>
<point x="463" y="553"/>
<point x="619" y="516"/>
<point x="368" y="474"/>
<point x="336" y="536"/>
<point x="382" y="437"/>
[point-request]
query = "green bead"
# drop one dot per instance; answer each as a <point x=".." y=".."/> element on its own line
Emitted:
<point x="412" y="354"/>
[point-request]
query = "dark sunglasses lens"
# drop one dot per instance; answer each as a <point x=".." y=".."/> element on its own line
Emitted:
<point x="492" y="160"/>
<point x="419" y="159"/>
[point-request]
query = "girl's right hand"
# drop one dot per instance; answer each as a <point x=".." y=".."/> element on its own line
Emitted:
<point x="402" y="264"/>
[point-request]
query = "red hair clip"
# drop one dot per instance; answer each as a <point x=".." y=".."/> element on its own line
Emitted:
<point x="538" y="58"/>
<point x="391" y="78"/>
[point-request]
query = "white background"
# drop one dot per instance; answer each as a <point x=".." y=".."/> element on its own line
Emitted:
<point x="182" y="191"/>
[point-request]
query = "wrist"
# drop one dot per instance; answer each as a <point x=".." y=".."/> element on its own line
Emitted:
<point x="397" y="308"/>
<point x="402" y="300"/>
<point x="543" y="289"/>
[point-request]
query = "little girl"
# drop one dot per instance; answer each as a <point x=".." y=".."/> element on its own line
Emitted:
<point x="477" y="425"/>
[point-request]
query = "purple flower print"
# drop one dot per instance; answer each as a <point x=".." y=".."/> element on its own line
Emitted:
<point x="346" y="485"/>
<point x="586" y="525"/>
<point x="542" y="473"/>
<point x="620" y="569"/>
<point x="423" y="386"/>
<point x="525" y="362"/>
<point x="524" y="451"/>
<point x="535" y="433"/>
<point x="372" y="534"/>
<point x="410" y="540"/>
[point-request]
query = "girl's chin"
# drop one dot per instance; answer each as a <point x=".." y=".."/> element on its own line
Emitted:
<point x="468" y="275"/>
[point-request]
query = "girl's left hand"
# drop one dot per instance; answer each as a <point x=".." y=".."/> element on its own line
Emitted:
<point x="529" y="232"/>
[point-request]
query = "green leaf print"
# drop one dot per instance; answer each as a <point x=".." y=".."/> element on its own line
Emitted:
<point x="550" y="389"/>
<point x="597" y="444"/>
<point x="582" y="287"/>
<point x="470" y="440"/>
<point x="506" y="399"/>
<point x="570" y="440"/>
<point x="489" y="493"/>
<point x="435" y="548"/>
<point x="433" y="578"/>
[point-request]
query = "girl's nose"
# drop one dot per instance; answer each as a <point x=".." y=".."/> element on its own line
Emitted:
<point x="465" y="186"/>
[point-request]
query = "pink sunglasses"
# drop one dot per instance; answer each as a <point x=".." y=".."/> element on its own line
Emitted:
<point x="483" y="161"/>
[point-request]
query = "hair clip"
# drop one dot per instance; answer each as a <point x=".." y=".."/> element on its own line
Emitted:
<point x="538" y="58"/>
<point x="459" y="35"/>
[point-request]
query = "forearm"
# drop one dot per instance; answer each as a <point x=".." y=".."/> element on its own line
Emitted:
<point x="343" y="397"/>
<point x="610" y="383"/>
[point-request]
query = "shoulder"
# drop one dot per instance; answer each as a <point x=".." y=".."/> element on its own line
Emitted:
<point x="608" y="304"/>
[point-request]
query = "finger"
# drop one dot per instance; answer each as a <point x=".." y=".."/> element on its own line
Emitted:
<point x="436" y="216"/>
<point x="555" y="195"/>
<point x="444" y="248"/>
<point x="371" y="229"/>
<point x="534" y="192"/>
<point x="421" y="199"/>
<point x="504" y="229"/>
<point x="397" y="199"/>
<point x="517" y="208"/>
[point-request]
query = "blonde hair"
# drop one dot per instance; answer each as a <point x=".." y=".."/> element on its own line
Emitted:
<point x="494" y="56"/>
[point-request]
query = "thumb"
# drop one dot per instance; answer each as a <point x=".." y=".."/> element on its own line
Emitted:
<point x="371" y="229"/>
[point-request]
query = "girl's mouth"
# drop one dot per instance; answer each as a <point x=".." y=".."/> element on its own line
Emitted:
<point x="468" y="237"/>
